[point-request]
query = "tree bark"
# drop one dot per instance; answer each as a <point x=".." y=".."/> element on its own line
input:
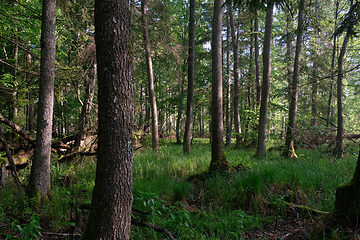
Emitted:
<point x="219" y="160"/>
<point x="150" y="75"/>
<point x="237" y="125"/>
<point x="261" y="147"/>
<point x="290" y="132"/>
<point x="190" y="92"/>
<point x="257" y="63"/>
<point x="228" y="77"/>
<point x="110" y="215"/>
<point x="179" y="114"/>
<point x="340" y="120"/>
<point x="39" y="182"/>
<point x="331" y="93"/>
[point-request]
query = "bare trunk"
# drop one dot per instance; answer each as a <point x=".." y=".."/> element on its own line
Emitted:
<point x="290" y="132"/>
<point x="228" y="85"/>
<point x="219" y="160"/>
<point x="190" y="95"/>
<point x="236" y="83"/>
<point x="257" y="63"/>
<point x="110" y="214"/>
<point x="151" y="90"/>
<point x="39" y="182"/>
<point x="340" y="120"/>
<point x="261" y="147"/>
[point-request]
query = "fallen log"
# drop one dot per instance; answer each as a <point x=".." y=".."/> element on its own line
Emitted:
<point x="16" y="128"/>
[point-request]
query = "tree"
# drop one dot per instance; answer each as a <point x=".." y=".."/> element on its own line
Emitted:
<point x="219" y="160"/>
<point x="190" y="92"/>
<point x="151" y="90"/>
<point x="110" y="215"/>
<point x="39" y="182"/>
<point x="236" y="82"/>
<point x="261" y="147"/>
<point x="290" y="132"/>
<point x="348" y="25"/>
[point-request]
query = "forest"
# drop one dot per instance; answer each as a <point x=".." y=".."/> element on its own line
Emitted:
<point x="170" y="119"/>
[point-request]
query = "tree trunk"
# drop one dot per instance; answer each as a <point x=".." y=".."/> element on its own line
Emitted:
<point x="190" y="92"/>
<point x="39" y="182"/>
<point x="261" y="147"/>
<point x="228" y="85"/>
<point x="257" y="63"/>
<point x="84" y="119"/>
<point x="332" y="68"/>
<point x="219" y="160"/>
<point x="347" y="200"/>
<point x="290" y="132"/>
<point x="236" y="83"/>
<point x="110" y="215"/>
<point x="340" y="121"/>
<point x="151" y="90"/>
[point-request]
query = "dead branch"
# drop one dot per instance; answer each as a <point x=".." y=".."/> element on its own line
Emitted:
<point x="11" y="160"/>
<point x="153" y="226"/>
<point x="19" y="69"/>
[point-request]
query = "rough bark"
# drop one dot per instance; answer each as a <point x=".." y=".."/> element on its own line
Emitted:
<point x="219" y="160"/>
<point x="39" y="182"/>
<point x="190" y="91"/>
<point x="261" y="147"/>
<point x="110" y="215"/>
<point x="290" y="132"/>
<point x="151" y="90"/>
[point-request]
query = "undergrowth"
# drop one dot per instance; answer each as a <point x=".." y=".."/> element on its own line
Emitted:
<point x="176" y="193"/>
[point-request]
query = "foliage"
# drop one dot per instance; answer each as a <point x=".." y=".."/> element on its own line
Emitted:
<point x="27" y="231"/>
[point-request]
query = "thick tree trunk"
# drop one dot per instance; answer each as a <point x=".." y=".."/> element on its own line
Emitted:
<point x="261" y="147"/>
<point x="290" y="132"/>
<point x="237" y="125"/>
<point x="219" y="160"/>
<point x="347" y="200"/>
<point x="39" y="182"/>
<point x="190" y="92"/>
<point x="110" y="215"/>
<point x="151" y="90"/>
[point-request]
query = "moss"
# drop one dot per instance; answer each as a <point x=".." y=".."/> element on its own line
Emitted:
<point x="219" y="163"/>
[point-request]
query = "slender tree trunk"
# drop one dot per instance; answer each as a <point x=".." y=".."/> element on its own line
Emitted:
<point x="30" y="107"/>
<point x="236" y="83"/>
<point x="228" y="85"/>
<point x="261" y="147"/>
<point x="190" y="95"/>
<point x="39" y="182"/>
<point x="332" y="69"/>
<point x="110" y="214"/>
<point x="340" y="120"/>
<point x="152" y="97"/>
<point x="179" y="114"/>
<point x="257" y="62"/>
<point x="219" y="160"/>
<point x="290" y="132"/>
<point x="84" y="120"/>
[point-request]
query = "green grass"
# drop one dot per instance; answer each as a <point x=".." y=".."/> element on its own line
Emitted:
<point x="220" y="206"/>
